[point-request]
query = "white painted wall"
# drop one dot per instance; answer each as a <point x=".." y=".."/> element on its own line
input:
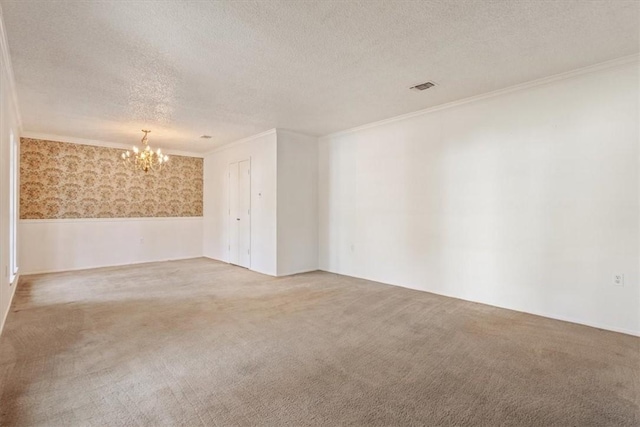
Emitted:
<point x="297" y="203"/>
<point x="9" y="121"/>
<point x="284" y="213"/>
<point x="262" y="150"/>
<point x="526" y="200"/>
<point x="72" y="244"/>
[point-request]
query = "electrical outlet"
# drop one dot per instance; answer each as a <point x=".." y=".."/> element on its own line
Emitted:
<point x="618" y="279"/>
<point x="141" y="240"/>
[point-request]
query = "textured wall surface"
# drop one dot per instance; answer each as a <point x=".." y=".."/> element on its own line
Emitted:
<point x="63" y="180"/>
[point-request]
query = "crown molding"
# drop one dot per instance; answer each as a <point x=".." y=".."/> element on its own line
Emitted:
<point x="6" y="63"/>
<point x="295" y="133"/>
<point x="241" y="141"/>
<point x="625" y="60"/>
<point x="97" y="143"/>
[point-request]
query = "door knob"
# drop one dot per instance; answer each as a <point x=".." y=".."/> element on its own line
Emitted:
<point x="237" y="219"/>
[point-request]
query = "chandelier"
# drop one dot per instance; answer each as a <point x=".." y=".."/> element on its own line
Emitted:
<point x="145" y="159"/>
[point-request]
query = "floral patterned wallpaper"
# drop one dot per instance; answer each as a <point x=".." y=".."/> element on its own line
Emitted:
<point x="63" y="180"/>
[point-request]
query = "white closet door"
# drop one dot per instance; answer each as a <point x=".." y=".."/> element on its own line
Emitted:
<point x="240" y="213"/>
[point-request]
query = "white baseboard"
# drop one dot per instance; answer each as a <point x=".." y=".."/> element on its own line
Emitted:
<point x="106" y="266"/>
<point x="14" y="286"/>
<point x="557" y="317"/>
<point x="291" y="273"/>
<point x="250" y="269"/>
<point x="635" y="333"/>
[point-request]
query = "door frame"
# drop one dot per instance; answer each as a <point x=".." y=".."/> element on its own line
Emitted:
<point x="229" y="222"/>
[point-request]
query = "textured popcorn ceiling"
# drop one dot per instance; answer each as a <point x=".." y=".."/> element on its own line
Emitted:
<point x="104" y="70"/>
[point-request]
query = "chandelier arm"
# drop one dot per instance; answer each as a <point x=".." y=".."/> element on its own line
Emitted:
<point x="145" y="159"/>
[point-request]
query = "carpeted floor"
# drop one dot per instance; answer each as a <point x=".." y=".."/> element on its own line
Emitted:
<point x="200" y="342"/>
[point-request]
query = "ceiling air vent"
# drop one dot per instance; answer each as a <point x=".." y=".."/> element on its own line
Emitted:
<point x="423" y="86"/>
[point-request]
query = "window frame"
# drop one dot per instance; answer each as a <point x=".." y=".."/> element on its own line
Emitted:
<point x="13" y="206"/>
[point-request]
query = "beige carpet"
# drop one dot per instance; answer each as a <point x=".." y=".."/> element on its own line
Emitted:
<point x="200" y="342"/>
